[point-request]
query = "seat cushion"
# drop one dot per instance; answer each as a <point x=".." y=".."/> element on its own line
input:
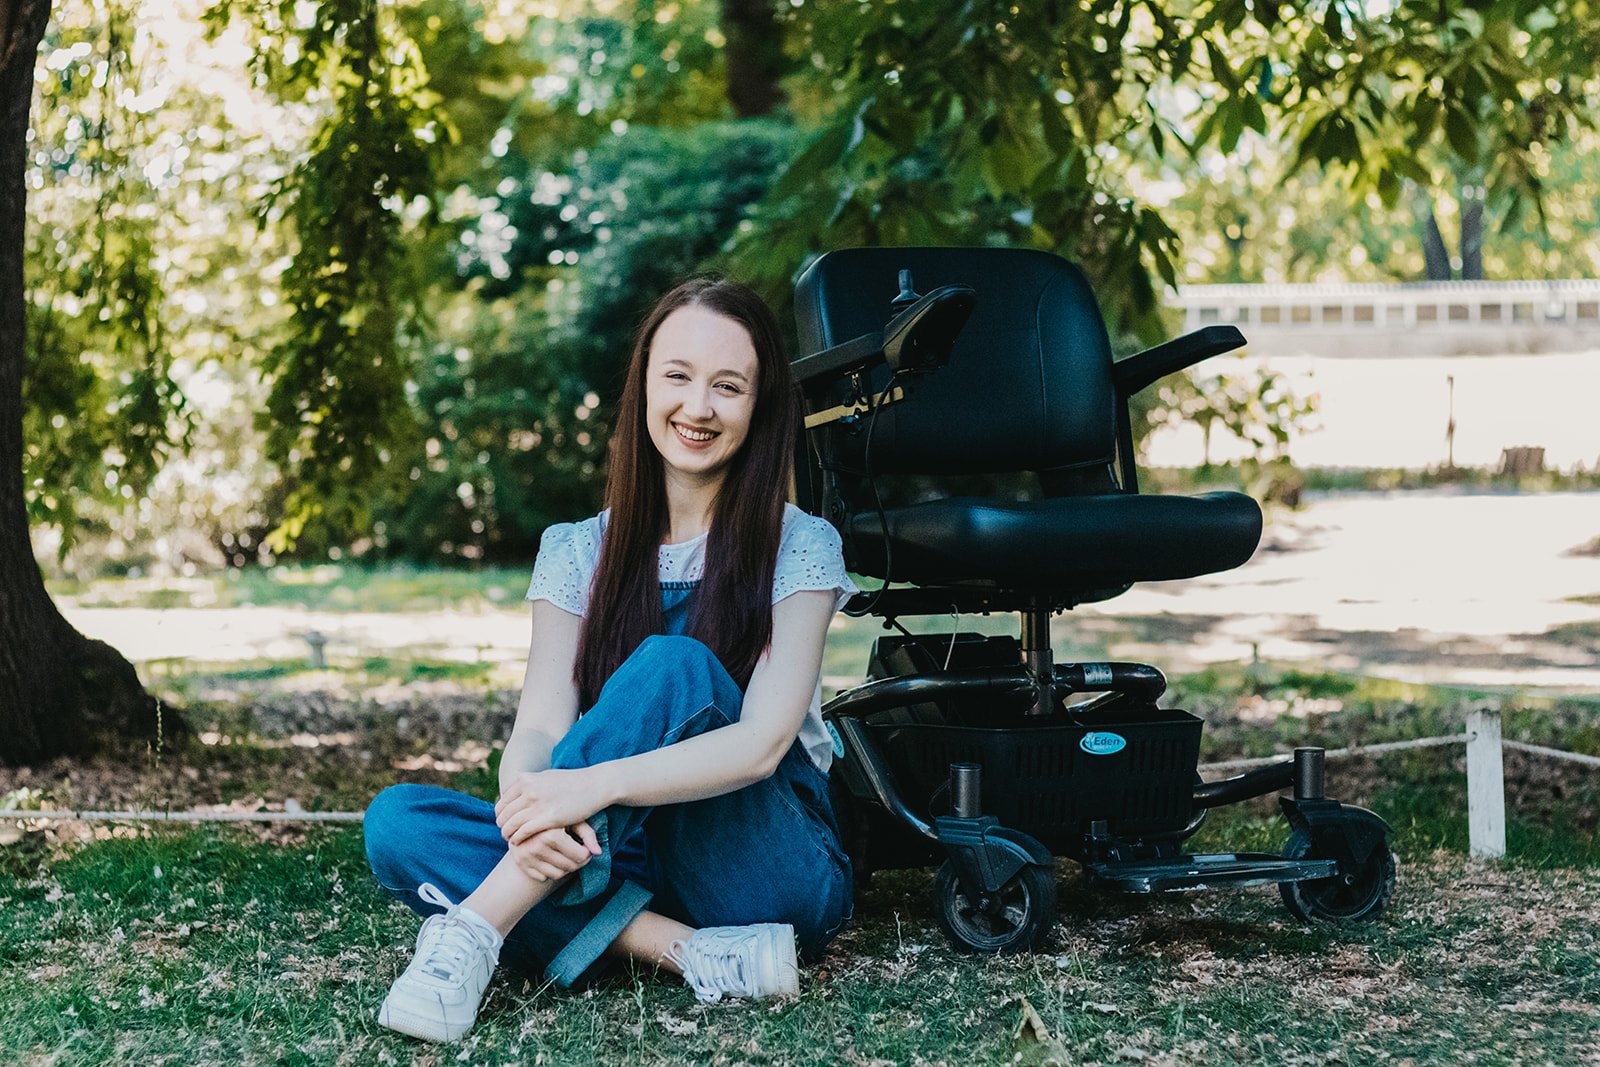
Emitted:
<point x="1062" y="543"/>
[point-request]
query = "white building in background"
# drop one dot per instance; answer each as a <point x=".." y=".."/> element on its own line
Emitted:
<point x="1508" y="365"/>
<point x="1421" y="319"/>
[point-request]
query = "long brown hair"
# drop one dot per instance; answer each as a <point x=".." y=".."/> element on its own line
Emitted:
<point x="733" y="606"/>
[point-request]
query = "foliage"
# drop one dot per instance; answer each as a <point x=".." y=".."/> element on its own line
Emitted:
<point x="337" y="406"/>
<point x="1255" y="221"/>
<point x="1256" y="406"/>
<point x="520" y="383"/>
<point x="102" y="409"/>
<point x="399" y="286"/>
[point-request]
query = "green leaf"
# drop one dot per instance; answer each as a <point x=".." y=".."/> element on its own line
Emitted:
<point x="1459" y="132"/>
<point x="824" y="151"/>
<point x="1425" y="112"/>
<point x="1232" y="125"/>
<point x="1388" y="187"/>
<point x="1220" y="68"/>
<point x="1254" y="117"/>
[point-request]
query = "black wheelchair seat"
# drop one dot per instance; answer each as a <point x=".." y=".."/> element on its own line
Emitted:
<point x="1065" y="544"/>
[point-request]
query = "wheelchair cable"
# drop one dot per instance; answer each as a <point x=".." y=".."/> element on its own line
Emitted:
<point x="873" y="407"/>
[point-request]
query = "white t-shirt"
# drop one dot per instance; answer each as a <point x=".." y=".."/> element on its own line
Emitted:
<point x="810" y="556"/>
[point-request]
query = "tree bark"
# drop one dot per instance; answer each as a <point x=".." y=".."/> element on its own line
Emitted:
<point x="754" y="54"/>
<point x="1472" y="233"/>
<point x="60" y="693"/>
<point x="1435" y="256"/>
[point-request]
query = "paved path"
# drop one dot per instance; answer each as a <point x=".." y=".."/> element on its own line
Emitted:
<point x="1470" y="589"/>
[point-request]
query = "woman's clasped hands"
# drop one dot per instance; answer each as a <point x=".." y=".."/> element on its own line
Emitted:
<point x="544" y="817"/>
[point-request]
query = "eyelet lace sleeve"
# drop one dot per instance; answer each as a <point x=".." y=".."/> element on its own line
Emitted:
<point x="565" y="566"/>
<point x="811" y="556"/>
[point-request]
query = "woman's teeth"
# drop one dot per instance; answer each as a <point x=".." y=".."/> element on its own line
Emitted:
<point x="693" y="435"/>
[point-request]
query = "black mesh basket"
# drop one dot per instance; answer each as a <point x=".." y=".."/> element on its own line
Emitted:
<point x="1133" y="767"/>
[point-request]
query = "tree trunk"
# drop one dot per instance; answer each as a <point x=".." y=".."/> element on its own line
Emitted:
<point x="1435" y="256"/>
<point x="60" y="693"/>
<point x="754" y="54"/>
<point x="1472" y="233"/>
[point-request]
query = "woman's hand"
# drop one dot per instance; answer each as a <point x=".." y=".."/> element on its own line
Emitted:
<point x="537" y="801"/>
<point x="553" y="854"/>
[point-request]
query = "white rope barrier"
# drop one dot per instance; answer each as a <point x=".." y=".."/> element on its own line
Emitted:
<point x="188" y="816"/>
<point x="1492" y="832"/>
<point x="1556" y="753"/>
<point x="1353" y="750"/>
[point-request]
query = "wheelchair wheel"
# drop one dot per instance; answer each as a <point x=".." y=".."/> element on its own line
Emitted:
<point x="1361" y="896"/>
<point x="1014" y="921"/>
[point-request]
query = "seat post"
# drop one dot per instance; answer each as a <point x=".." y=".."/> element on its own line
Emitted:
<point x="1036" y="657"/>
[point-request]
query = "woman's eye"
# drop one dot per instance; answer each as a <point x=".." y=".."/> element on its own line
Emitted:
<point x="677" y="375"/>
<point x="729" y="388"/>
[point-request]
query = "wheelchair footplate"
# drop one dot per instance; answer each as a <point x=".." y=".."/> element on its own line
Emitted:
<point x="1206" y="872"/>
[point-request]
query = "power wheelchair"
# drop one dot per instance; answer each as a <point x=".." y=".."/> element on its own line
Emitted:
<point x="981" y="753"/>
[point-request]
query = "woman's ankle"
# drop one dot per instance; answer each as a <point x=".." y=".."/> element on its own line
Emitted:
<point x="648" y="939"/>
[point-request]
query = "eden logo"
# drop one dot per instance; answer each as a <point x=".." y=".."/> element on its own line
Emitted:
<point x="1102" y="743"/>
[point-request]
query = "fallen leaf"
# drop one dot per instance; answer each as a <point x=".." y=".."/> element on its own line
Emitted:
<point x="675" y="1026"/>
<point x="1034" y="1044"/>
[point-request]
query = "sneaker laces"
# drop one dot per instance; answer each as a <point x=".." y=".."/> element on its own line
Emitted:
<point x="449" y="940"/>
<point x="715" y="962"/>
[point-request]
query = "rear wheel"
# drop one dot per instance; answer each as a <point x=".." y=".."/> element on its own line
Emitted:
<point x="1015" y="919"/>
<point x="1360" y="895"/>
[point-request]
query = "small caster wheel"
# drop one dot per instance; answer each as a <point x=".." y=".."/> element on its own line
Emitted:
<point x="1361" y="895"/>
<point x="1014" y="920"/>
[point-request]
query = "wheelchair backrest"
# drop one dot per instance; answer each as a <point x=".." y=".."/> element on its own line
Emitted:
<point x="1028" y="386"/>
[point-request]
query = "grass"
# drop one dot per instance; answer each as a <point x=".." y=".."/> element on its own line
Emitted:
<point x="325" y="587"/>
<point x="181" y="680"/>
<point x="206" y="947"/>
<point x="241" y="946"/>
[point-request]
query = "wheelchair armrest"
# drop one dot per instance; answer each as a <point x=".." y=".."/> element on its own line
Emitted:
<point x="819" y="368"/>
<point x="1151" y="365"/>
<point x="917" y="339"/>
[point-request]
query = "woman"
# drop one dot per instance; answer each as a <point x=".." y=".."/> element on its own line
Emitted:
<point x="683" y="819"/>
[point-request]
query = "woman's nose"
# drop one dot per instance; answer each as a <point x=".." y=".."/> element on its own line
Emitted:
<point x="698" y="404"/>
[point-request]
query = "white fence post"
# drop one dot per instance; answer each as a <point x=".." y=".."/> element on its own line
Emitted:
<point x="1486" y="788"/>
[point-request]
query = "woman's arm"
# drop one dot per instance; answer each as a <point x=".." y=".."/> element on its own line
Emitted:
<point x="710" y="764"/>
<point x="549" y="703"/>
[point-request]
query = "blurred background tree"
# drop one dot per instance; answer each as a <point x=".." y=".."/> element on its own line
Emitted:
<point x="355" y="277"/>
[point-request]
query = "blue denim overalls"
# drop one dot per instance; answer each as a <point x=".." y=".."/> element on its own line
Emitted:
<point x="766" y="853"/>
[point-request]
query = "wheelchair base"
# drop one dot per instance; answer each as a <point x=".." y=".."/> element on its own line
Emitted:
<point x="1207" y="872"/>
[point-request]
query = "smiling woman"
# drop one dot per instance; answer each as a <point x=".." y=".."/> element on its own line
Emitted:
<point x="664" y="792"/>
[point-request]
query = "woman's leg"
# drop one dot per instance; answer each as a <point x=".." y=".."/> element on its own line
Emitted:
<point x="765" y="853"/>
<point x="418" y="834"/>
<point x="506" y="895"/>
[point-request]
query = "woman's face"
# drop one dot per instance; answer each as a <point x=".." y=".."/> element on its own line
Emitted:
<point x="700" y="391"/>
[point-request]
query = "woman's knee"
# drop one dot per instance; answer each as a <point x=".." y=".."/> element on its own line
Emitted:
<point x="389" y="830"/>
<point x="675" y="648"/>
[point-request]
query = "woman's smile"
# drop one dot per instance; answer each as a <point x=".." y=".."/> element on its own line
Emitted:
<point x="693" y="436"/>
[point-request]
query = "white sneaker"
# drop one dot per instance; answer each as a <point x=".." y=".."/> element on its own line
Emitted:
<point x="739" y="961"/>
<point x="436" y="997"/>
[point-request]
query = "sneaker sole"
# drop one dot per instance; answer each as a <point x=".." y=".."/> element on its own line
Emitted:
<point x="421" y="1026"/>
